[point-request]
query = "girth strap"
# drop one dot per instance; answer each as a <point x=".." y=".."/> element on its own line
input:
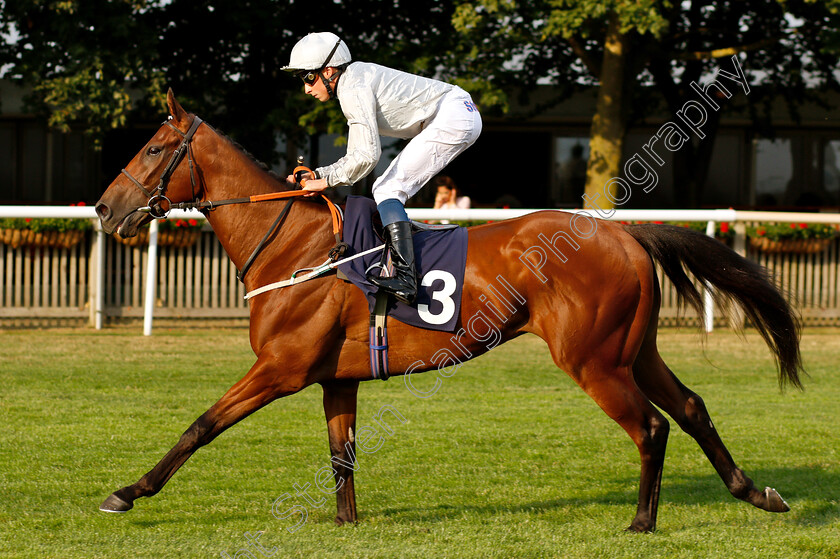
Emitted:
<point x="379" y="337"/>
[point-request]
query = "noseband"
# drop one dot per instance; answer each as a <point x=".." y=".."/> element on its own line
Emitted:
<point x="158" y="195"/>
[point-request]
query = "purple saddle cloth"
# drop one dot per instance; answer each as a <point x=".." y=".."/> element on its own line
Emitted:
<point x="440" y="257"/>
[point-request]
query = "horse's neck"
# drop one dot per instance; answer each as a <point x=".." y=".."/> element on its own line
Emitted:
<point x="241" y="227"/>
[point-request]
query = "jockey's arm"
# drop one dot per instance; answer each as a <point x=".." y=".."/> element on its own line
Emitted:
<point x="363" y="144"/>
<point x="309" y="182"/>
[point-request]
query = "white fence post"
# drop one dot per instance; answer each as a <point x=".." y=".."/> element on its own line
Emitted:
<point x="708" y="299"/>
<point x="151" y="279"/>
<point x="99" y="294"/>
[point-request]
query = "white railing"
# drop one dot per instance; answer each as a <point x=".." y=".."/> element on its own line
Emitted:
<point x="711" y="217"/>
<point x="716" y="216"/>
<point x="85" y="212"/>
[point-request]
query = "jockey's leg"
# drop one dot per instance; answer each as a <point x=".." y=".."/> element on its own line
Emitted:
<point x="453" y="129"/>
<point x="403" y="284"/>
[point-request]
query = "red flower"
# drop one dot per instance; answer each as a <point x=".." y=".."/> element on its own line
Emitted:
<point x="724" y="227"/>
<point x="803" y="225"/>
<point x="793" y="226"/>
<point x="761" y="232"/>
<point x="193" y="222"/>
<point x="81" y="204"/>
<point x="28" y="219"/>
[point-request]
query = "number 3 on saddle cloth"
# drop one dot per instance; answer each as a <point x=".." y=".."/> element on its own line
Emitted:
<point x="440" y="258"/>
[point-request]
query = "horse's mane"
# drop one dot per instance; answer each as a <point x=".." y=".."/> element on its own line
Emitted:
<point x="280" y="180"/>
<point x="257" y="162"/>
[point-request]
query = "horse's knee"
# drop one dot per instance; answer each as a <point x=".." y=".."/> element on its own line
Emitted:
<point x="696" y="420"/>
<point x="695" y="408"/>
<point x="338" y="446"/>
<point x="658" y="429"/>
<point x="655" y="435"/>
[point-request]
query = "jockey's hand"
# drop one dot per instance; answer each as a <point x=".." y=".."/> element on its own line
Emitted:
<point x="293" y="179"/>
<point x="314" y="186"/>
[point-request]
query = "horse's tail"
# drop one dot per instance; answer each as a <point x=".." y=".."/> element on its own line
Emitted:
<point x="734" y="278"/>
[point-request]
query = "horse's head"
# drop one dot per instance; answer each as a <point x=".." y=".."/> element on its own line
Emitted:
<point x="153" y="180"/>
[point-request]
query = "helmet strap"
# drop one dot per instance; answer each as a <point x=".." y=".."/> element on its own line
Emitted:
<point x="328" y="83"/>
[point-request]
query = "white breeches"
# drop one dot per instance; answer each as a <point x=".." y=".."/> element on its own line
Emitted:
<point x="454" y="128"/>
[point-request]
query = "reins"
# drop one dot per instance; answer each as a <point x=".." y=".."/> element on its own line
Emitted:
<point x="335" y="253"/>
<point x="158" y="195"/>
<point x="212" y="205"/>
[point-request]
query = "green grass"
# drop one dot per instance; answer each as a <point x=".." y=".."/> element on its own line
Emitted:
<point x="508" y="459"/>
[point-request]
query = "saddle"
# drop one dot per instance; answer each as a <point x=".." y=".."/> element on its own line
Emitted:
<point x="440" y="252"/>
<point x="416" y="226"/>
<point x="440" y="255"/>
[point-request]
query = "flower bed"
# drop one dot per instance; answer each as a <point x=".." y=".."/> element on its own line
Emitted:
<point x="177" y="233"/>
<point x="43" y="232"/>
<point x="791" y="237"/>
<point x="802" y="246"/>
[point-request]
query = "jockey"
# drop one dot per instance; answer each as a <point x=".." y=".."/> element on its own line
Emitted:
<point x="440" y="120"/>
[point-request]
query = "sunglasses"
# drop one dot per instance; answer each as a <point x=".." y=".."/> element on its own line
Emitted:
<point x="309" y="78"/>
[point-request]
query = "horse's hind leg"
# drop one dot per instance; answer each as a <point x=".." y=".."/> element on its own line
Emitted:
<point x="687" y="408"/>
<point x="617" y="394"/>
<point x="340" y="409"/>
<point x="260" y="386"/>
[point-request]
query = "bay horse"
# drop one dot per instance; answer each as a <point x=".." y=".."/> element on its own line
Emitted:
<point x="595" y="303"/>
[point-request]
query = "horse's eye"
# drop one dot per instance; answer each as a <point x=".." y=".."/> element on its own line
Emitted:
<point x="154" y="150"/>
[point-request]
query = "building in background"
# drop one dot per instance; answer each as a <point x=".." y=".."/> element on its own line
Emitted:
<point x="527" y="162"/>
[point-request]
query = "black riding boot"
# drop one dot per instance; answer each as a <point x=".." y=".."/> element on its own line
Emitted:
<point x="403" y="284"/>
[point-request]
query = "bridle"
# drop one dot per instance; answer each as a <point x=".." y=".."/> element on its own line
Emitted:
<point x="158" y="195"/>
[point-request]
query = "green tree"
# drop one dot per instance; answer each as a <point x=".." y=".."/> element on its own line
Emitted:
<point x="82" y="59"/>
<point x="102" y="64"/>
<point x="790" y="49"/>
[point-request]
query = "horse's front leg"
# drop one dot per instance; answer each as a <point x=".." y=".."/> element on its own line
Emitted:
<point x="340" y="409"/>
<point x="261" y="385"/>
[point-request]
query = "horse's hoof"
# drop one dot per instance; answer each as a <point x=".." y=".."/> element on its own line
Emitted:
<point x="639" y="529"/>
<point x="775" y="503"/>
<point x="641" y="526"/>
<point x="115" y="504"/>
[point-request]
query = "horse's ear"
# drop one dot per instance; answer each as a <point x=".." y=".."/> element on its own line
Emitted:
<point x="175" y="109"/>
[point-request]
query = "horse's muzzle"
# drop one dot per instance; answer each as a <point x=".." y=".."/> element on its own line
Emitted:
<point x="105" y="214"/>
<point x="124" y="224"/>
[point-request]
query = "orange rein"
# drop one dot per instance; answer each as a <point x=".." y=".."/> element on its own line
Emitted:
<point x="336" y="213"/>
<point x="335" y="253"/>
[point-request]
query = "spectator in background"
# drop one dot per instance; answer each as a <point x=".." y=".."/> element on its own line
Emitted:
<point x="448" y="196"/>
<point x="571" y="177"/>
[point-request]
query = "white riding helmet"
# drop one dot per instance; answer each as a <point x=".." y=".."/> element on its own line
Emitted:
<point x="317" y="51"/>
